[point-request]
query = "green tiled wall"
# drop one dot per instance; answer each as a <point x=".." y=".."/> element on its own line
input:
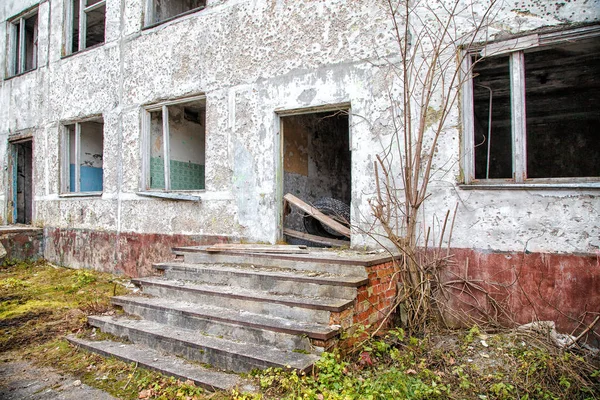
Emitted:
<point x="184" y="175"/>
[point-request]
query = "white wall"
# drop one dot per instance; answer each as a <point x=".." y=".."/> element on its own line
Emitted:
<point x="252" y="58"/>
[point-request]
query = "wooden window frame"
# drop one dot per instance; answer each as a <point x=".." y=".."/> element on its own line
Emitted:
<point x="515" y="49"/>
<point x="16" y="51"/>
<point x="167" y="192"/>
<point x="65" y="159"/>
<point x="68" y="25"/>
<point x="150" y="11"/>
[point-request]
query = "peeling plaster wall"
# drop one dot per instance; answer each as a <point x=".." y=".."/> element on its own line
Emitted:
<point x="527" y="220"/>
<point x="250" y="59"/>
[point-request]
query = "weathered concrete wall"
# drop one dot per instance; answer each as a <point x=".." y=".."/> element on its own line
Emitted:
<point x="21" y="243"/>
<point x="517" y="288"/>
<point x="251" y="59"/>
<point x="532" y="220"/>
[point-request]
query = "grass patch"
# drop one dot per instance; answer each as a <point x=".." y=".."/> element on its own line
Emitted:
<point x="40" y="302"/>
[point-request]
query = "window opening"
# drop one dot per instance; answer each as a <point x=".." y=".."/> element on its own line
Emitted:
<point x="177" y="146"/>
<point x="86" y="24"/>
<point x="563" y="110"/>
<point x="83" y="164"/>
<point x="316" y="169"/>
<point x="491" y="89"/>
<point x="535" y="111"/>
<point x="24" y="41"/>
<point x="163" y="10"/>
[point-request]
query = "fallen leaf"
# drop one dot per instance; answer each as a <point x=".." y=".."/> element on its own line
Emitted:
<point x="365" y="358"/>
<point x="145" y="394"/>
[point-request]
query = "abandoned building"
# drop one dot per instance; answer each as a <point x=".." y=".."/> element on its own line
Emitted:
<point x="129" y="128"/>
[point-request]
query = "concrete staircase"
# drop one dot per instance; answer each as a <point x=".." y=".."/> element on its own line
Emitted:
<point x="234" y="311"/>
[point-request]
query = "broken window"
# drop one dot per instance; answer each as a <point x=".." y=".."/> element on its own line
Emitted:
<point x="83" y="169"/>
<point x="85" y="24"/>
<point x="176" y="153"/>
<point x="23" y="39"/>
<point x="535" y="111"/>
<point x="162" y="10"/>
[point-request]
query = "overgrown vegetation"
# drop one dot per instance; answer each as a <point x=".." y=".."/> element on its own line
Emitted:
<point x="40" y="303"/>
<point x="466" y="365"/>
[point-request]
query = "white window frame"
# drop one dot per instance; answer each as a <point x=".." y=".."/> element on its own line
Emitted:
<point x="65" y="159"/>
<point x="16" y="54"/>
<point x="145" y="189"/>
<point x="515" y="49"/>
<point x="68" y="25"/>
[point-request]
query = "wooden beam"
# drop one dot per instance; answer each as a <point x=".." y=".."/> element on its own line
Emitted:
<point x="258" y="248"/>
<point x="315" y="238"/>
<point x="518" y="116"/>
<point x="468" y="115"/>
<point x="336" y="226"/>
<point x="77" y="173"/>
<point x="166" y="147"/>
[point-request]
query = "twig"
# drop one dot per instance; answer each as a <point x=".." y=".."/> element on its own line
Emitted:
<point x="586" y="330"/>
<point x="130" y="376"/>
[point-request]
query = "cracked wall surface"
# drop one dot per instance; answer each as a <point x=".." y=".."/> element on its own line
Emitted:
<point x="253" y="59"/>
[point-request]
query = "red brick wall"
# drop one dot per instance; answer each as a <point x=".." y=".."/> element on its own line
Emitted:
<point x="375" y="299"/>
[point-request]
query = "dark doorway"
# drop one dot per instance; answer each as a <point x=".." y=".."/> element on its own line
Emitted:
<point x="316" y="163"/>
<point x="22" y="181"/>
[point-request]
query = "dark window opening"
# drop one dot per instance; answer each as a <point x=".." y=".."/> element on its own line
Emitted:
<point x="561" y="113"/>
<point x="563" y="110"/>
<point x="24" y="31"/>
<point x="163" y="10"/>
<point x="317" y="165"/>
<point x="492" y="82"/>
<point x="88" y="24"/>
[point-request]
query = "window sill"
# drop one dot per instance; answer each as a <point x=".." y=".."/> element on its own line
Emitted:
<point x="83" y="51"/>
<point x="81" y="194"/>
<point x="20" y="74"/>
<point x="531" y="186"/>
<point x="171" y="196"/>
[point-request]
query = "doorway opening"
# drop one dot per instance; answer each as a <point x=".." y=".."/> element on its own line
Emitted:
<point x="317" y="170"/>
<point x="22" y="182"/>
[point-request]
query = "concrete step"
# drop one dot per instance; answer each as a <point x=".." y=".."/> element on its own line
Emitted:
<point x="166" y="364"/>
<point x="329" y="261"/>
<point x="295" y="307"/>
<point x="232" y="324"/>
<point x="273" y="279"/>
<point x="218" y="352"/>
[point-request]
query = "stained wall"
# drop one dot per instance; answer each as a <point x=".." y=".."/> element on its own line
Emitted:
<point x="253" y="59"/>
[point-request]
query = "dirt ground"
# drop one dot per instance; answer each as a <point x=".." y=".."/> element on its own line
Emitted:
<point x="20" y="380"/>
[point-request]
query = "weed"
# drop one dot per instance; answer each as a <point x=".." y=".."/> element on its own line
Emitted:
<point x="13" y="283"/>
